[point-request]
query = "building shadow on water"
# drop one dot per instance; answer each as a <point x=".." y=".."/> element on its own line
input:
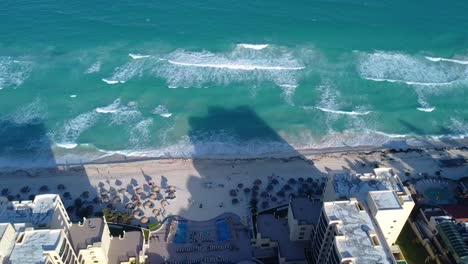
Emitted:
<point x="28" y="167"/>
<point x="243" y="166"/>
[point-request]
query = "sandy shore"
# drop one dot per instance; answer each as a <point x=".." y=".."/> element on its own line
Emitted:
<point x="203" y="186"/>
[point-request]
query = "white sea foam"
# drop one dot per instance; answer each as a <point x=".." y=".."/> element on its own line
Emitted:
<point x="140" y="134"/>
<point x="426" y="109"/>
<point x="243" y="67"/>
<point x="13" y="72"/>
<point x="95" y="67"/>
<point x="132" y="69"/>
<point x="162" y="111"/>
<point x="108" y="81"/>
<point x="73" y="95"/>
<point x="253" y="46"/>
<point x="343" y="112"/>
<point x="67" y="145"/>
<point x="31" y="113"/>
<point x="412" y="70"/>
<point x="465" y="62"/>
<point x="112" y="108"/>
<point x="69" y="133"/>
<point x="138" y="56"/>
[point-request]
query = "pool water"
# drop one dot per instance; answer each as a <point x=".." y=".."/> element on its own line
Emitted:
<point x="222" y="230"/>
<point x="180" y="236"/>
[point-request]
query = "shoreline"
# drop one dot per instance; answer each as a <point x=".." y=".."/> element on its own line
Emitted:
<point x="301" y="154"/>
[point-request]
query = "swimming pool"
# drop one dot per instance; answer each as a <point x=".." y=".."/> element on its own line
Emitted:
<point x="222" y="230"/>
<point x="180" y="236"/>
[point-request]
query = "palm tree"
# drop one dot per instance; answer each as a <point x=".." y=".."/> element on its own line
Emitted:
<point x="253" y="206"/>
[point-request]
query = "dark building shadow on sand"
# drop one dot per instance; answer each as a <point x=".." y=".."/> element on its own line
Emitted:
<point x="239" y="158"/>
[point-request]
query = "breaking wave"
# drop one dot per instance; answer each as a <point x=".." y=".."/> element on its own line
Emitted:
<point x="402" y="68"/>
<point x="162" y="111"/>
<point x="138" y="56"/>
<point x="465" y="62"/>
<point x="96" y="67"/>
<point x="13" y="72"/>
<point x="343" y="112"/>
<point x="253" y="46"/>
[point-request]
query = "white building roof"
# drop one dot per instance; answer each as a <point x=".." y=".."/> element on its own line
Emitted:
<point x="385" y="200"/>
<point x="356" y="230"/>
<point x="38" y="212"/>
<point x="346" y="185"/>
<point x="32" y="246"/>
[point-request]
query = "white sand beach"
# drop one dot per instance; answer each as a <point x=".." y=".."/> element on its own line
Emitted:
<point x="202" y="187"/>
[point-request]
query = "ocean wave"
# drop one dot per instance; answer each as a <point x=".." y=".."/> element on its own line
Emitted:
<point x="138" y="56"/>
<point x="67" y="145"/>
<point x="112" y="108"/>
<point x="13" y="72"/>
<point x="73" y="95"/>
<point x="162" y="111"/>
<point x="243" y="67"/>
<point x="29" y="114"/>
<point x="69" y="133"/>
<point x="412" y="70"/>
<point x="108" y="81"/>
<point x="435" y="59"/>
<point x="95" y="67"/>
<point x="426" y="109"/>
<point x="140" y="134"/>
<point x="343" y="112"/>
<point x="253" y="46"/>
<point x="410" y="82"/>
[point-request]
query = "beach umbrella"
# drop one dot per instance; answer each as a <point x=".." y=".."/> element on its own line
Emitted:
<point x="274" y="181"/>
<point x="139" y="190"/>
<point x="240" y="185"/>
<point x="116" y="199"/>
<point x="144" y="220"/>
<point x="300" y="179"/>
<point x="148" y="204"/>
<point x="292" y="181"/>
<point x="171" y="188"/>
<point x="164" y="203"/>
<point x="152" y="196"/>
<point x="309" y="180"/>
<point x="137" y="213"/>
<point x="104" y="192"/>
<point x="246" y="190"/>
<point x="130" y="206"/>
<point x="171" y="195"/>
<point x="235" y="201"/>
<point x="122" y="190"/>
<point x="287" y="187"/>
<point x="269" y="187"/>
<point x="255" y="188"/>
<point x="135" y="198"/>
<point x="233" y="193"/>
<point x="106" y="200"/>
<point x="155" y="188"/>
<point x="257" y="182"/>
<point x="156" y="211"/>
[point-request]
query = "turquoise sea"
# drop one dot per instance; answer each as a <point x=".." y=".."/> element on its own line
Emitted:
<point x="83" y="79"/>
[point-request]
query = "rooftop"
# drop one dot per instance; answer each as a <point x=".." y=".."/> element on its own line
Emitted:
<point x="34" y="243"/>
<point x="278" y="230"/>
<point x="305" y="211"/>
<point x="87" y="233"/>
<point x="121" y="248"/>
<point x="385" y="200"/>
<point x="356" y="232"/>
<point x="358" y="185"/>
<point x="38" y="212"/>
<point x="458" y="212"/>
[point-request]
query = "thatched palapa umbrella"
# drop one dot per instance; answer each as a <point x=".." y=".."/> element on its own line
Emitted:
<point x="122" y="190"/>
<point x="172" y="188"/>
<point x="147" y="204"/>
<point x="171" y="195"/>
<point x="156" y="211"/>
<point x="135" y="198"/>
<point x="116" y="199"/>
<point x="139" y="190"/>
<point x="104" y="192"/>
<point x="130" y="206"/>
<point x="155" y="188"/>
<point x="152" y="196"/>
<point x="144" y="220"/>
<point x="137" y="213"/>
<point x="164" y="203"/>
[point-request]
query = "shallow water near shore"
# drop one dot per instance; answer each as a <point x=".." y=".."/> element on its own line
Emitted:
<point x="81" y="81"/>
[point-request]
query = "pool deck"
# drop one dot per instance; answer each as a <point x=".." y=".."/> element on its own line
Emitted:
<point x="202" y="242"/>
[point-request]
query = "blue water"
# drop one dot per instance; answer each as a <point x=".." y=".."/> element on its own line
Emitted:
<point x="180" y="237"/>
<point x="222" y="230"/>
<point x="81" y="80"/>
